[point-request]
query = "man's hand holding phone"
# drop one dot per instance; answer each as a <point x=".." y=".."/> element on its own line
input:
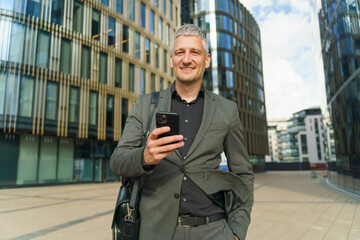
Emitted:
<point x="158" y="148"/>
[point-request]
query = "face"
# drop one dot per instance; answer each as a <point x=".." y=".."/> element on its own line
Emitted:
<point x="189" y="59"/>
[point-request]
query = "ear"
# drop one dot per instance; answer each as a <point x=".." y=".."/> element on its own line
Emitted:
<point x="171" y="61"/>
<point x="207" y="60"/>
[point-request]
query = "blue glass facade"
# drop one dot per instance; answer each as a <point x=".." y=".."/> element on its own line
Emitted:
<point x="340" y="29"/>
<point x="236" y="66"/>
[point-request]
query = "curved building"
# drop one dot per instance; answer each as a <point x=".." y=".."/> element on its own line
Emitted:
<point x="70" y="71"/>
<point x="340" y="37"/>
<point x="236" y="66"/>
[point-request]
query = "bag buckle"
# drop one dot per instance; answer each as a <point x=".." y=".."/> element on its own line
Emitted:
<point x="129" y="216"/>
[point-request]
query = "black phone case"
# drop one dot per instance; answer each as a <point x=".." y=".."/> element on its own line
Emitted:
<point x="170" y="119"/>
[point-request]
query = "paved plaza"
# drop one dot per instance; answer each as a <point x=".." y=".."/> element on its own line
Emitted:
<point x="288" y="206"/>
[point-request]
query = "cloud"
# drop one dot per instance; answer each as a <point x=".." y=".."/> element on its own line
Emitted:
<point x="289" y="59"/>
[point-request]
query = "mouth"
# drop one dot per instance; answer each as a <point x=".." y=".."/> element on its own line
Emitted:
<point x="187" y="68"/>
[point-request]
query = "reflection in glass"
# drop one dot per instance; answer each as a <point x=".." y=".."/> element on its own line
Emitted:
<point x="78" y="16"/>
<point x="85" y="61"/>
<point x="74" y="105"/>
<point x="137" y="45"/>
<point x="47" y="159"/>
<point x="110" y="111"/>
<point x="143" y="15"/>
<point x="65" y="167"/>
<point x="142" y="81"/>
<point x="57" y="11"/>
<point x="132" y="10"/>
<point x="111" y="31"/>
<point x="2" y="92"/>
<point x="131" y="77"/>
<point x="157" y="55"/>
<point x="153" y="81"/>
<point x="33" y="8"/>
<point x="51" y="101"/>
<point x="119" y="6"/>
<point x="17" y="43"/>
<point x="93" y="103"/>
<point x="43" y="50"/>
<point x="160" y="28"/>
<point x="26" y="97"/>
<point x="125" y="40"/>
<point x="147" y="50"/>
<point x="118" y="72"/>
<point x="95" y="24"/>
<point x="152" y="22"/>
<point x="103" y="67"/>
<point x="65" y="58"/>
<point x="28" y="159"/>
<point x="11" y="95"/>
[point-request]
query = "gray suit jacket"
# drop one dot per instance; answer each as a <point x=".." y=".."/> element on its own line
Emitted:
<point x="220" y="131"/>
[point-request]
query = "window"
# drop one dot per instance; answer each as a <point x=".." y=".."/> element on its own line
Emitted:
<point x="131" y="77"/>
<point x="111" y="31"/>
<point x="143" y="15"/>
<point x="156" y="3"/>
<point x="157" y="55"/>
<point x="147" y="50"/>
<point x="168" y="34"/>
<point x="103" y="67"/>
<point x="176" y="15"/>
<point x="26" y="97"/>
<point x="51" y="109"/>
<point x="74" y="105"/>
<point x="153" y="81"/>
<point x="42" y="50"/>
<point x="161" y="83"/>
<point x="33" y="8"/>
<point x="165" y="60"/>
<point x="17" y="43"/>
<point x="110" y="111"/>
<point x="93" y="105"/>
<point x="95" y="24"/>
<point x="105" y="2"/>
<point x="125" y="40"/>
<point x="118" y="72"/>
<point x="152" y="22"/>
<point x="65" y="57"/>
<point x="78" y="16"/>
<point x="47" y="159"/>
<point x="85" y="61"/>
<point x="170" y="10"/>
<point x="160" y="28"/>
<point x="137" y="45"/>
<point x="124" y="112"/>
<point x="132" y="10"/>
<point x="2" y="92"/>
<point x="119" y="6"/>
<point x="164" y="6"/>
<point x="142" y="81"/>
<point x="57" y="11"/>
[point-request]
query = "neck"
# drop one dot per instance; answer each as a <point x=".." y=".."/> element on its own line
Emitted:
<point x="188" y="92"/>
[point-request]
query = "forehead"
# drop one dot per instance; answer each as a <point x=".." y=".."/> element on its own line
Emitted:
<point x="188" y="42"/>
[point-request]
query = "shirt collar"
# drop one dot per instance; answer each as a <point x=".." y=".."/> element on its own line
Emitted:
<point x="175" y="94"/>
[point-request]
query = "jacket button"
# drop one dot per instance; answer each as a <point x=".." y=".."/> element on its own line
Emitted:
<point x="176" y="195"/>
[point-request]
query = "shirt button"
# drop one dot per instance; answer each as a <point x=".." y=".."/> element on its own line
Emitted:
<point x="184" y="178"/>
<point x="187" y="105"/>
<point x="186" y="120"/>
<point x="185" y="138"/>
<point x="184" y="199"/>
<point x="176" y="195"/>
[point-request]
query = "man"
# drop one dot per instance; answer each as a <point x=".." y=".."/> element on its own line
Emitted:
<point x="184" y="194"/>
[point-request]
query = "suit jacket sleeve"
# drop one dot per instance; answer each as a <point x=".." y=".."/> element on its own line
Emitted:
<point x="126" y="158"/>
<point x="239" y="164"/>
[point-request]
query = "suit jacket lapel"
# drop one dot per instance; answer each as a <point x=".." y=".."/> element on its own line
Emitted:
<point x="208" y="114"/>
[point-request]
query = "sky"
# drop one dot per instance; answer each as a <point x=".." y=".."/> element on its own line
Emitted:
<point x="293" y="71"/>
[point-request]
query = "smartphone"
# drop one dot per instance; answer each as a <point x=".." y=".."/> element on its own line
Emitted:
<point x="170" y="119"/>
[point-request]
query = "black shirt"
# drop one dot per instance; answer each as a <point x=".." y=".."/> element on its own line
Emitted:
<point x="193" y="200"/>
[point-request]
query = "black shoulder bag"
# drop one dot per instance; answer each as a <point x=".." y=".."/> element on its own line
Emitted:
<point x="126" y="220"/>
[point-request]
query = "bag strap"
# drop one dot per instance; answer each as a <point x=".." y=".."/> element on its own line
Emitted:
<point x="154" y="103"/>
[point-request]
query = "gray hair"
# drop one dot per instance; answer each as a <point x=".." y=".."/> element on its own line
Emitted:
<point x="190" y="30"/>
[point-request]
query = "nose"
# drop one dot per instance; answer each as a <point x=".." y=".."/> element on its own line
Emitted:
<point x="187" y="58"/>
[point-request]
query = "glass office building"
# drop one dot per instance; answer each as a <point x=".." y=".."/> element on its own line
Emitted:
<point x="236" y="66"/>
<point x="70" y="72"/>
<point x="340" y="37"/>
